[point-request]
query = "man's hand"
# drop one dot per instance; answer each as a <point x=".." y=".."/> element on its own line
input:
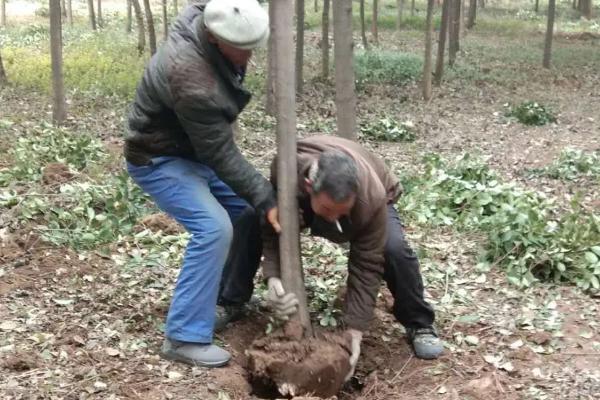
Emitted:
<point x="355" y="339"/>
<point x="283" y="304"/>
<point x="273" y="219"/>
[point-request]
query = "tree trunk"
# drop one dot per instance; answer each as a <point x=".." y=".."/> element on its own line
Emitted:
<point x="3" y="13"/>
<point x="482" y="4"/>
<point x="454" y="31"/>
<point x="175" y="7"/>
<point x="63" y="9"/>
<point x="374" y="22"/>
<point x="536" y="7"/>
<point x="165" y="19"/>
<point x="70" y="12"/>
<point x="472" y="14"/>
<point x="151" y="30"/>
<point x="363" y="34"/>
<point x="139" y="20"/>
<point x="549" y="33"/>
<point x="399" y="10"/>
<point x="316" y="5"/>
<point x="299" y="45"/>
<point x="428" y="44"/>
<point x="3" y="80"/>
<point x="287" y="176"/>
<point x="439" y="62"/>
<point x="58" y="89"/>
<point x="270" y="84"/>
<point x="325" y="40"/>
<point x="128" y="20"/>
<point x="92" y="15"/>
<point x="574" y="4"/>
<point x="99" y="14"/>
<point x="345" y="96"/>
<point x="586" y="8"/>
<point x="412" y="8"/>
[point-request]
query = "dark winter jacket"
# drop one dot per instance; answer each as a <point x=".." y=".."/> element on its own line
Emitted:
<point x="185" y="104"/>
<point x="365" y="228"/>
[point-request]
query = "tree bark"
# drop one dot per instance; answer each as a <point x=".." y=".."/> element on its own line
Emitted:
<point x="439" y="62"/>
<point x="165" y="19"/>
<point x="151" y="30"/>
<point x="325" y="40"/>
<point x="3" y="13"/>
<point x="3" y="79"/>
<point x="128" y="21"/>
<point x="345" y="96"/>
<point x="375" y="21"/>
<point x="92" y="15"/>
<point x="59" y="106"/>
<point x="400" y="11"/>
<point x="454" y="31"/>
<point x="287" y="176"/>
<point x="472" y="14"/>
<point x="70" y="12"/>
<point x="139" y="19"/>
<point x="428" y="44"/>
<point x="363" y="34"/>
<point x="299" y="45"/>
<point x="549" y="34"/>
<point x="99" y="14"/>
<point x="271" y="53"/>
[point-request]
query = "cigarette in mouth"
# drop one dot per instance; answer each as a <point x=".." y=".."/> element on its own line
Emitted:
<point x="339" y="227"/>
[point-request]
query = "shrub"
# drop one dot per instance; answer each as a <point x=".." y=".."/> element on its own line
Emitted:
<point x="387" y="129"/>
<point x="387" y="67"/>
<point x="531" y="113"/>
<point x="572" y="164"/>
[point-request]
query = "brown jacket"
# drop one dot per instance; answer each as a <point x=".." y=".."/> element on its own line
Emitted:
<point x="364" y="228"/>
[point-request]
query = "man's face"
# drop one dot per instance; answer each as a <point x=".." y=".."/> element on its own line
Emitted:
<point x="324" y="206"/>
<point x="238" y="57"/>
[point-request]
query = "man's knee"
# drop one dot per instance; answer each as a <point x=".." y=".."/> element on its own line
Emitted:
<point x="214" y="231"/>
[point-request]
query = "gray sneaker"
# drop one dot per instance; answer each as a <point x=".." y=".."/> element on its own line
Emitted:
<point x="198" y="354"/>
<point x="425" y="342"/>
<point x="227" y="314"/>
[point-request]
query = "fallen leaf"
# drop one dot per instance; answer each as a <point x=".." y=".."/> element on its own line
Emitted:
<point x="472" y="340"/>
<point x="174" y="375"/>
<point x="8" y="325"/>
<point x="63" y="302"/>
<point x="112" y="352"/>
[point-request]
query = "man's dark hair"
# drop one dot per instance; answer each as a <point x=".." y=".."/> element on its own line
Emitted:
<point x="336" y="175"/>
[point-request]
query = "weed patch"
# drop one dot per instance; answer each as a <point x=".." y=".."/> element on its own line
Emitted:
<point x="386" y="67"/>
<point x="531" y="113"/>
<point x="390" y="130"/>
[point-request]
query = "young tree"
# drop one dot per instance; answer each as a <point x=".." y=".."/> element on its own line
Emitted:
<point x="165" y="19"/>
<point x="92" y="14"/>
<point x="151" y="30"/>
<point x="128" y="21"/>
<point x="63" y="9"/>
<point x="299" y="45"/>
<point x="3" y="79"/>
<point x="586" y="8"/>
<point x="400" y="11"/>
<point x="536" y="7"/>
<point x="58" y="90"/>
<point x="375" y="21"/>
<point x="428" y="44"/>
<point x="99" y="14"/>
<point x="316" y="5"/>
<point x="3" y="13"/>
<point x="70" y="12"/>
<point x="549" y="33"/>
<point x="325" y="40"/>
<point x="345" y="96"/>
<point x="270" y="102"/>
<point x="412" y="8"/>
<point x="287" y="176"/>
<point x="363" y="34"/>
<point x="139" y="20"/>
<point x="439" y="62"/>
<point x="472" y="14"/>
<point x="454" y="31"/>
<point x="482" y="4"/>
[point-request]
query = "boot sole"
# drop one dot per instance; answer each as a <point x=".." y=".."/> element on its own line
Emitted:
<point x="189" y="361"/>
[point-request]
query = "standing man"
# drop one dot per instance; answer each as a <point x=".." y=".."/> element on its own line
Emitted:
<point x="180" y="149"/>
<point x="347" y="194"/>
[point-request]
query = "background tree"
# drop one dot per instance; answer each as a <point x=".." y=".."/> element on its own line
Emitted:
<point x="3" y="13"/>
<point x="399" y="11"/>
<point x="151" y="30"/>
<point x="63" y="9"/>
<point x="325" y="40"/>
<point x="299" y="45"/>
<point x="91" y="14"/>
<point x="129" y="17"/>
<point x="375" y="22"/>
<point x="536" y="7"/>
<point x="345" y="96"/>
<point x="549" y="33"/>
<point x="482" y="4"/>
<point x="139" y="20"/>
<point x="287" y="176"/>
<point x="58" y="89"/>
<point x="454" y="31"/>
<point x="586" y="8"/>
<point x="270" y="81"/>
<point x="472" y="14"/>
<point x="428" y="44"/>
<point x="165" y="19"/>
<point x="70" y="12"/>
<point x="316" y="5"/>
<point x="175" y="7"/>
<point x="3" y="79"/>
<point x="439" y="62"/>
<point x="412" y="8"/>
<point x="99" y="18"/>
<point x="363" y="33"/>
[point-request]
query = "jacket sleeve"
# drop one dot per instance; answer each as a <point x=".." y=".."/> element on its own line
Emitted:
<point x="365" y="271"/>
<point x="211" y="136"/>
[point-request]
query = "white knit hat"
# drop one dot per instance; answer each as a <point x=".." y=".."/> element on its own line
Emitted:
<point x="243" y="24"/>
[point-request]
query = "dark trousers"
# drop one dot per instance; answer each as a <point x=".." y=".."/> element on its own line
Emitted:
<point x="401" y="270"/>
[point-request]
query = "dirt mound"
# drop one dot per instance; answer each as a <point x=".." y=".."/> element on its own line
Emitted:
<point x="279" y="366"/>
<point x="160" y="222"/>
<point x="56" y="174"/>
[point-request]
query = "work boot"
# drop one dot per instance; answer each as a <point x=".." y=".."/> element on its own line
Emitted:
<point x="197" y="354"/>
<point x="227" y="314"/>
<point x="425" y="342"/>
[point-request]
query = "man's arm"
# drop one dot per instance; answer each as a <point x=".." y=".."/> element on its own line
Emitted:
<point x="365" y="271"/>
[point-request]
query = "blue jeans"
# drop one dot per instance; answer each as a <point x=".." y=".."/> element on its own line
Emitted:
<point x="193" y="195"/>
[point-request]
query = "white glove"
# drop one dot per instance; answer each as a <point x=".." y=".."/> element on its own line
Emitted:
<point x="283" y="304"/>
<point x="356" y="338"/>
